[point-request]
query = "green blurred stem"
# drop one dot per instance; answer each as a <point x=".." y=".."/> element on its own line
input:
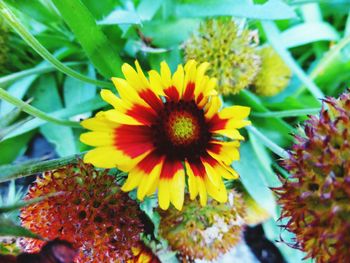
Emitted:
<point x="272" y="33"/>
<point x="12" y="20"/>
<point x="286" y="113"/>
<point x="11" y="172"/>
<point x="268" y="143"/>
<point x="6" y="80"/>
<point x="34" y="111"/>
<point x="321" y="68"/>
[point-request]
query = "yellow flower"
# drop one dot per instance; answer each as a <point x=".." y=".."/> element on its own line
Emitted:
<point x="274" y="75"/>
<point x="164" y="128"/>
<point x="143" y="254"/>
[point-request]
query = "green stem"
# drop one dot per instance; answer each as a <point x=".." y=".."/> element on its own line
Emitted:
<point x="286" y="113"/>
<point x="12" y="20"/>
<point x="34" y="111"/>
<point x="268" y="143"/>
<point x="272" y="34"/>
<point x="11" y="172"/>
<point x="86" y="106"/>
<point x="6" y="80"/>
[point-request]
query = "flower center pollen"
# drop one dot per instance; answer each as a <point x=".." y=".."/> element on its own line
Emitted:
<point x="182" y="129"/>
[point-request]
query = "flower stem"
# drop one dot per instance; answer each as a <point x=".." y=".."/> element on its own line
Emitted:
<point x="34" y="111"/>
<point x="12" y="20"/>
<point x="8" y="79"/>
<point x="268" y="143"/>
<point x="11" y="172"/>
<point x="286" y="113"/>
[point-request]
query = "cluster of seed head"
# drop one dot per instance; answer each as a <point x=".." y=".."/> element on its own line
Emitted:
<point x="315" y="200"/>
<point x="231" y="52"/>
<point x="89" y="211"/>
<point x="207" y="232"/>
<point x="274" y="75"/>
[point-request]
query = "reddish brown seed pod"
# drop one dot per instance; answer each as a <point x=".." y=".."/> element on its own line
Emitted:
<point x="315" y="199"/>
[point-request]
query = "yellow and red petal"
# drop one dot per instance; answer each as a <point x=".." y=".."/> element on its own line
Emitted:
<point x="227" y="152"/>
<point x="133" y="140"/>
<point x="171" y="184"/>
<point x="99" y="123"/>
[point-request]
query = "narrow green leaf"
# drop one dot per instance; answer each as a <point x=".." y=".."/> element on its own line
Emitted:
<point x="273" y="36"/>
<point x="12" y="20"/>
<point x="286" y="113"/>
<point x="84" y="107"/>
<point x="308" y="33"/>
<point x="272" y="9"/>
<point x="95" y="44"/>
<point x="10" y="172"/>
<point x="34" y="111"/>
<point x="8" y="228"/>
<point x="148" y="8"/>
<point x="253" y="179"/>
<point x="121" y="17"/>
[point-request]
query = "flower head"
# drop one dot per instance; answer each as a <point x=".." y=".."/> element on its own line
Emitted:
<point x="230" y="50"/>
<point x="274" y="74"/>
<point x="91" y="212"/>
<point x="315" y="200"/>
<point x="204" y="232"/>
<point x="163" y="125"/>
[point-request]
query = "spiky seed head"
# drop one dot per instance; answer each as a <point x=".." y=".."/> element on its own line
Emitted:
<point x="230" y="50"/>
<point x="316" y="198"/>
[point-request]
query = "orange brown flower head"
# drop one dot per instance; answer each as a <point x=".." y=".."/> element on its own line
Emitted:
<point x="315" y="199"/>
<point x="164" y="125"/>
<point x="90" y="211"/>
<point x="143" y="254"/>
<point x="204" y="232"/>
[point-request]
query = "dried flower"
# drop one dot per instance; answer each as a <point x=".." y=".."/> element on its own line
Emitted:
<point x="204" y="232"/>
<point x="231" y="52"/>
<point x="91" y="212"/>
<point x="274" y="74"/>
<point x="315" y="199"/>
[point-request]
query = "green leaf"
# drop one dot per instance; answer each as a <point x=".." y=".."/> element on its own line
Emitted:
<point x="11" y="148"/>
<point x="273" y="9"/>
<point x="163" y="32"/>
<point x="121" y="17"/>
<point x="8" y="228"/>
<point x="46" y="98"/>
<point x="254" y="180"/>
<point x="308" y="33"/>
<point x="94" y="42"/>
<point x="148" y="8"/>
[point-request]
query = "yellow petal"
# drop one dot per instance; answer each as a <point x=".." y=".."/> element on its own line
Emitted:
<point x="106" y="157"/>
<point x="218" y="193"/>
<point x="178" y="79"/>
<point x="156" y="82"/>
<point x="202" y="191"/>
<point x="237" y="124"/>
<point x="141" y="75"/>
<point x="228" y="152"/>
<point x="236" y="112"/>
<point x="99" y="123"/>
<point x="164" y="194"/>
<point x="127" y="93"/>
<point x="132" y="77"/>
<point x="178" y="189"/>
<point x="133" y="180"/>
<point x="112" y="99"/>
<point x="199" y="78"/>
<point x="165" y="74"/>
<point x="97" y="138"/>
<point x="213" y="176"/>
<point x="192" y="183"/>
<point x="212" y="107"/>
<point x="119" y="117"/>
<point x="149" y="180"/>
<point x="230" y="133"/>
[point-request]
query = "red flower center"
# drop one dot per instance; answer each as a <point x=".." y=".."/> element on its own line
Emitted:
<point x="181" y="131"/>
